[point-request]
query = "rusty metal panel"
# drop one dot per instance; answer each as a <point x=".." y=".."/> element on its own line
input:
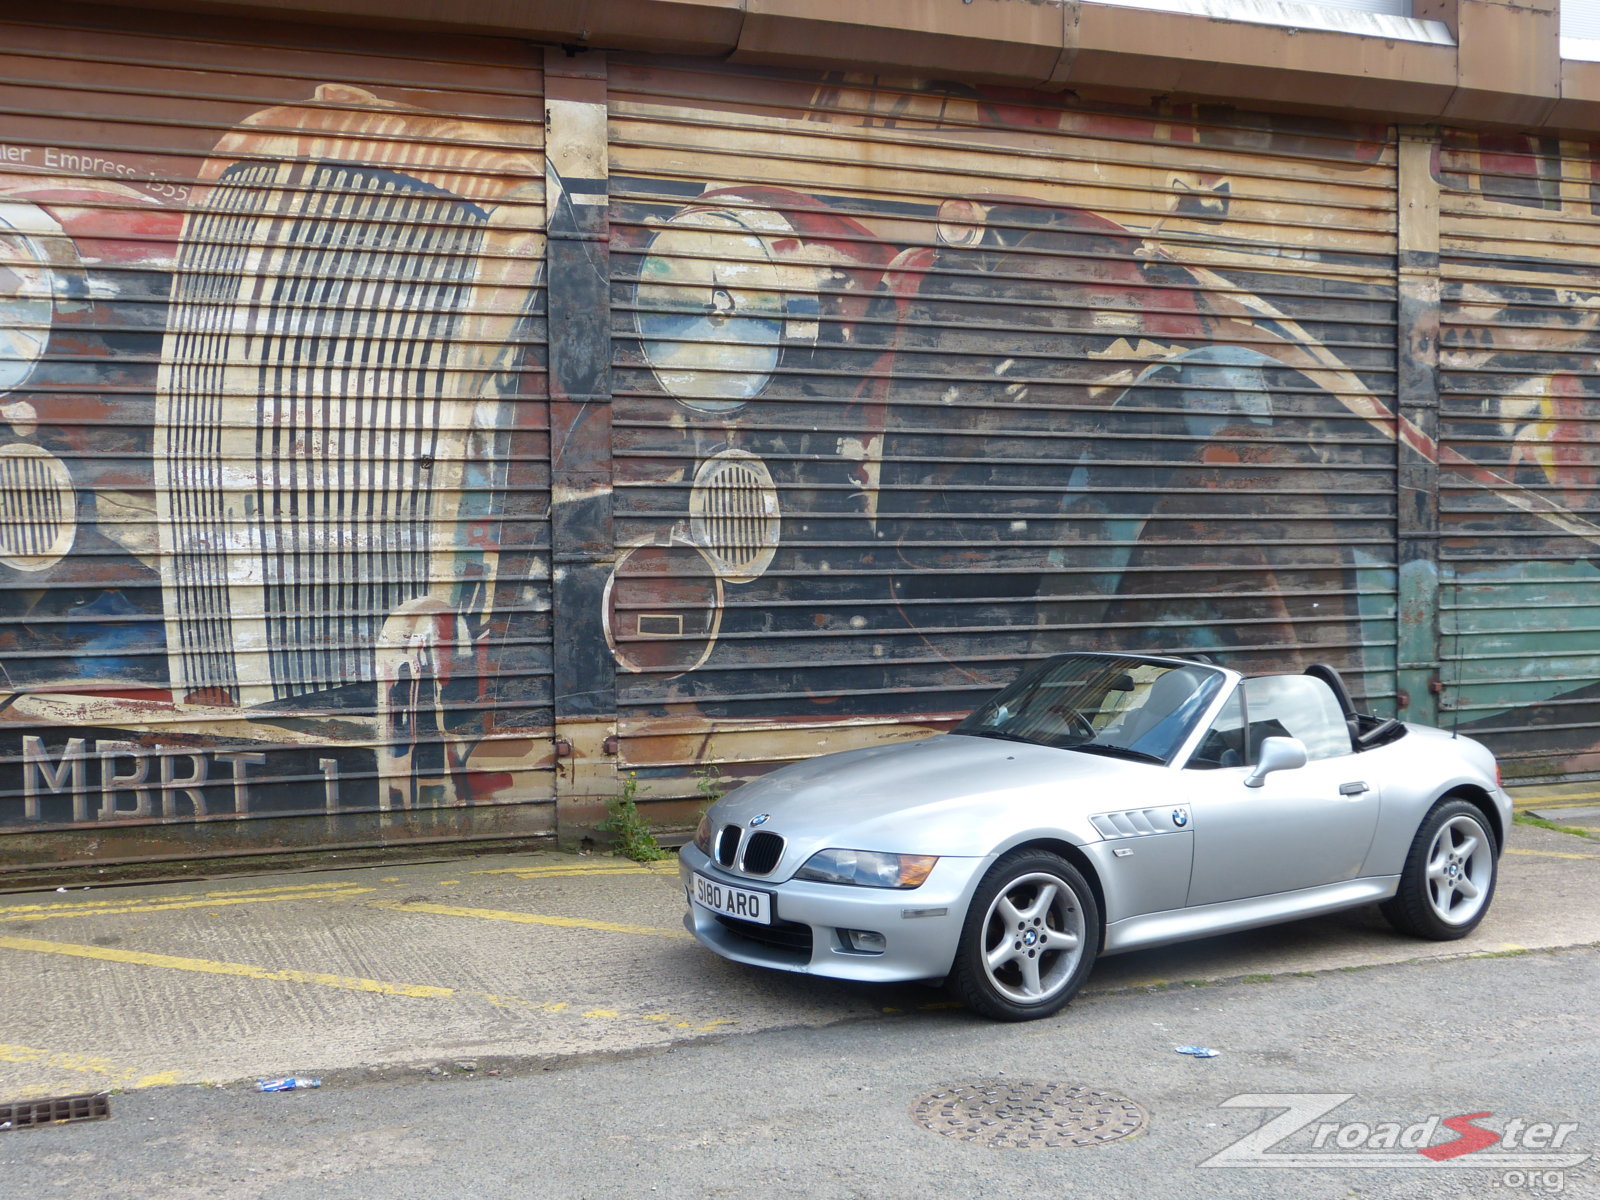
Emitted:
<point x="274" y="460"/>
<point x="916" y="383"/>
<point x="1520" y="634"/>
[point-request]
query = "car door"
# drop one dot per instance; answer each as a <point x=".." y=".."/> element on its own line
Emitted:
<point x="1300" y="828"/>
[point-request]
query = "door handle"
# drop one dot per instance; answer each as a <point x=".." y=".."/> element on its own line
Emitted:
<point x="1352" y="789"/>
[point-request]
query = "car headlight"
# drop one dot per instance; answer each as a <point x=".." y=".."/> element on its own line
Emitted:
<point x="867" y="868"/>
<point x="702" y="834"/>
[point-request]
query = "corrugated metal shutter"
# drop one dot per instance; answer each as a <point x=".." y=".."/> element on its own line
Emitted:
<point x="917" y="383"/>
<point x="1520" y="223"/>
<point x="274" y="474"/>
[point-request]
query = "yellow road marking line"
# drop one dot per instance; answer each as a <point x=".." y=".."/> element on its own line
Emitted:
<point x="208" y="967"/>
<point x="534" y="874"/>
<point x="299" y="887"/>
<point x="1548" y="853"/>
<point x="129" y="903"/>
<point x="604" y="867"/>
<point x="177" y="904"/>
<point x="348" y="983"/>
<point x="57" y="1060"/>
<point x="1554" y="800"/>
<point x="522" y="918"/>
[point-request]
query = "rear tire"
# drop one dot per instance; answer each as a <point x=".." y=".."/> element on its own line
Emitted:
<point x="1030" y="938"/>
<point x="1449" y="876"/>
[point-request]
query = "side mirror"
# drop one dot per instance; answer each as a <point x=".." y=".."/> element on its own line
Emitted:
<point x="1277" y="754"/>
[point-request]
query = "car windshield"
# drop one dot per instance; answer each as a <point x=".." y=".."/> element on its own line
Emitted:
<point x="1140" y="709"/>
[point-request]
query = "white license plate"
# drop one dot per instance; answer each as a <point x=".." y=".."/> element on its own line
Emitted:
<point x="732" y="901"/>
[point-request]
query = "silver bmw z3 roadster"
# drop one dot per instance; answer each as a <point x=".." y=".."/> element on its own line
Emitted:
<point x="1101" y="803"/>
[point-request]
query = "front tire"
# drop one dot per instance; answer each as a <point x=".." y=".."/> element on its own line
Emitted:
<point x="1029" y="940"/>
<point x="1449" y="875"/>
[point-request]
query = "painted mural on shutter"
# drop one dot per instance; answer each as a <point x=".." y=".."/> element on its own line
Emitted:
<point x="917" y="383"/>
<point x="1520" y="447"/>
<point x="274" y="463"/>
<point x="905" y="385"/>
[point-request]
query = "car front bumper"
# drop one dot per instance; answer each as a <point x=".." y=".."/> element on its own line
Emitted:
<point x="920" y="926"/>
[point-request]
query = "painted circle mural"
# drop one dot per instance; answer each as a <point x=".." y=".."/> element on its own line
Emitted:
<point x="38" y="508"/>
<point x="663" y="609"/>
<point x="733" y="514"/>
<point x="26" y="287"/>
<point x="713" y="306"/>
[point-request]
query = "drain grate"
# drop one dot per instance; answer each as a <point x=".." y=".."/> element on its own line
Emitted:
<point x="1020" y="1115"/>
<point x="58" y="1110"/>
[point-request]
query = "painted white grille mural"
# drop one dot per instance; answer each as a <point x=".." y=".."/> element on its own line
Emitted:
<point x="308" y="414"/>
<point x="733" y="514"/>
<point x="37" y="503"/>
<point x="274" y="449"/>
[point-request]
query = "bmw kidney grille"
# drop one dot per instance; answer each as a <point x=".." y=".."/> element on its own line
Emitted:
<point x="761" y="852"/>
<point x="728" y="844"/>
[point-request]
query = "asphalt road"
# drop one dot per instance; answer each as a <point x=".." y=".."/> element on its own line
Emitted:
<point x="828" y="1112"/>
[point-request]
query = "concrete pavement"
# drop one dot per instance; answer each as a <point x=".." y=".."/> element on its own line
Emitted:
<point x="504" y="960"/>
<point x="1576" y="805"/>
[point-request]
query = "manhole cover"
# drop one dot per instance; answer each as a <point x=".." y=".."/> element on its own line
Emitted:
<point x="1020" y="1115"/>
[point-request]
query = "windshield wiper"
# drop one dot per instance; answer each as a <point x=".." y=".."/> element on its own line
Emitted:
<point x="998" y="735"/>
<point x="1116" y="752"/>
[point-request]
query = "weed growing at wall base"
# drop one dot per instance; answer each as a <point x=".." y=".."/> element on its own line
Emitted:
<point x="632" y="833"/>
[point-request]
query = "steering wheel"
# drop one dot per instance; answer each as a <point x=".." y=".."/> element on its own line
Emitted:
<point x="1077" y="722"/>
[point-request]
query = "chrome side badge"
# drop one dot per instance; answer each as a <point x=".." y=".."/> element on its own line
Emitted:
<point x="1180" y="817"/>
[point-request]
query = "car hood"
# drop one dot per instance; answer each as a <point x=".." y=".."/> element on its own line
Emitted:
<point x="946" y="795"/>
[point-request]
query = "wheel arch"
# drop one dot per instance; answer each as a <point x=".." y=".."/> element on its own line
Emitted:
<point x="1074" y="855"/>
<point x="1421" y="909"/>
<point x="1479" y="799"/>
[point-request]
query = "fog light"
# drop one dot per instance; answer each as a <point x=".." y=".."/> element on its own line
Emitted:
<point x="864" y="941"/>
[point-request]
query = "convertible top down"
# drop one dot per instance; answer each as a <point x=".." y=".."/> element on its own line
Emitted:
<point x="1101" y="803"/>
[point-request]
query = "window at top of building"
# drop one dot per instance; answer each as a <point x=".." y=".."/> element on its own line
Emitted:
<point x="1390" y="19"/>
